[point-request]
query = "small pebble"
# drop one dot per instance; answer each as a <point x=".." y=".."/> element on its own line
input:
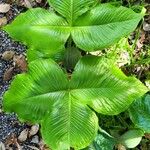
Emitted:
<point x="4" y="8"/>
<point x="35" y="139"/>
<point x="146" y="26"/>
<point x="2" y="146"/>
<point x="34" y="130"/>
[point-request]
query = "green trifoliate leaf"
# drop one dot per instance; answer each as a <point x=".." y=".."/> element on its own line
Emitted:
<point x="61" y="105"/>
<point x="91" y="28"/>
<point x="139" y="113"/>
<point x="131" y="138"/>
<point x="104" y="87"/>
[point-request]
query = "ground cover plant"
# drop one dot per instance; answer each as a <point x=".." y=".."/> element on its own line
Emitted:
<point x="65" y="99"/>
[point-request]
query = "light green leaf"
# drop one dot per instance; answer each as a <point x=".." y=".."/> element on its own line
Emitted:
<point x="131" y="138"/>
<point x="61" y="105"/>
<point x="139" y="113"/>
<point x="103" y="26"/>
<point x="104" y="87"/>
<point x="69" y="124"/>
<point x="72" y="9"/>
<point x="44" y="32"/>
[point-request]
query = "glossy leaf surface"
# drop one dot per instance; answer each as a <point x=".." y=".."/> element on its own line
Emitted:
<point x="91" y="27"/>
<point x="72" y="9"/>
<point x="42" y="31"/>
<point x="102" y="142"/>
<point x="140" y="113"/>
<point x="61" y="105"/>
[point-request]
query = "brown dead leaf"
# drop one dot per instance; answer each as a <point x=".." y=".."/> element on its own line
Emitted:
<point x="146" y="26"/>
<point x="8" y="74"/>
<point x="142" y="39"/>
<point x="147" y="136"/>
<point x="4" y="8"/>
<point x="10" y="140"/>
<point x="23" y="135"/>
<point x="20" y="62"/>
<point x="8" y="55"/>
<point x="3" y="21"/>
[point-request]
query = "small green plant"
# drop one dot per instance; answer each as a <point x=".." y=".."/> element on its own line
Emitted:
<point x="66" y="106"/>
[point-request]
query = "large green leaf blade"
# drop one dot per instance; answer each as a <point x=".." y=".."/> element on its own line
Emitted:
<point x="45" y="95"/>
<point x="70" y="125"/>
<point x="103" y="26"/>
<point x="42" y="95"/>
<point x="101" y="85"/>
<point x="36" y="91"/>
<point x="139" y="113"/>
<point x="72" y="9"/>
<point x="42" y="31"/>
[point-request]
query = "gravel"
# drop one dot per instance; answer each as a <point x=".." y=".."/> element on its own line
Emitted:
<point x="7" y="44"/>
<point x="10" y="126"/>
<point x="9" y="123"/>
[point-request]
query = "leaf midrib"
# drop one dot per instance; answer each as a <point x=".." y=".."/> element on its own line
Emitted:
<point x="75" y="27"/>
<point x="61" y="91"/>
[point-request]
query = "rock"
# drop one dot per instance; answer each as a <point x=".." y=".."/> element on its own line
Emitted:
<point x="8" y="74"/>
<point x="2" y="146"/>
<point x="35" y="139"/>
<point x="146" y="26"/>
<point x="34" y="130"/>
<point x="4" y="8"/>
<point x="8" y="55"/>
<point x="3" y="21"/>
<point x="23" y="135"/>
